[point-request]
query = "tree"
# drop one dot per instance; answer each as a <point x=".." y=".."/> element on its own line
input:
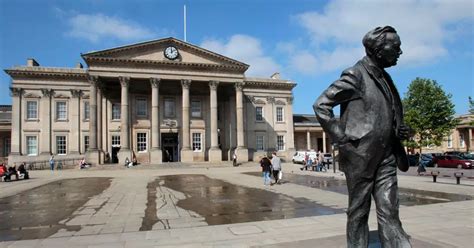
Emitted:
<point x="471" y="106"/>
<point x="429" y="112"/>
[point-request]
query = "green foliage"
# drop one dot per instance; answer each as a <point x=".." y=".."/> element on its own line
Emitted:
<point x="471" y="106"/>
<point x="429" y="112"/>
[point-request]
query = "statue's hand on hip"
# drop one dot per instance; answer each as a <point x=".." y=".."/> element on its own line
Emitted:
<point x="403" y="132"/>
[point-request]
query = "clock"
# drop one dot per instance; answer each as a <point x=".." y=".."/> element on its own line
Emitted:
<point x="171" y="52"/>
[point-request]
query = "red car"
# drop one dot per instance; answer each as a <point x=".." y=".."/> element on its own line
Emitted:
<point x="451" y="161"/>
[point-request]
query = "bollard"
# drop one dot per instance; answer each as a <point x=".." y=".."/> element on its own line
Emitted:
<point x="434" y="174"/>
<point x="458" y="176"/>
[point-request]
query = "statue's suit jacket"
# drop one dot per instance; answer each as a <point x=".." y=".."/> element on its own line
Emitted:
<point x="371" y="113"/>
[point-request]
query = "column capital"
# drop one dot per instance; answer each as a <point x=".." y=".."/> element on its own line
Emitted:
<point x="93" y="80"/>
<point x="289" y="100"/>
<point x="76" y="93"/>
<point x="270" y="99"/>
<point x="239" y="85"/>
<point x="124" y="81"/>
<point x="16" y="91"/>
<point x="186" y="83"/>
<point x="47" y="92"/>
<point x="213" y="84"/>
<point x="155" y="82"/>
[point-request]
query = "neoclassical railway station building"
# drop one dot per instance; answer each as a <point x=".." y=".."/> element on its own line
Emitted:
<point x="157" y="101"/>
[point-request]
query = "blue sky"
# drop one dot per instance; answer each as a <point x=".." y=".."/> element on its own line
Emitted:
<point x="309" y="42"/>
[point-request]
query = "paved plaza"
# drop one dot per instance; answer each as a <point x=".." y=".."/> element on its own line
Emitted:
<point x="216" y="205"/>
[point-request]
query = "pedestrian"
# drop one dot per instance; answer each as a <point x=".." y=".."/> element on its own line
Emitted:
<point x="368" y="133"/>
<point x="234" y="159"/>
<point x="266" y="169"/>
<point x="421" y="166"/>
<point x="321" y="163"/>
<point x="305" y="162"/>
<point x="276" y="166"/>
<point x="51" y="162"/>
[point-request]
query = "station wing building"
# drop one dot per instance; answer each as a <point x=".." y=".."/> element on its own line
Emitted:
<point x="157" y="101"/>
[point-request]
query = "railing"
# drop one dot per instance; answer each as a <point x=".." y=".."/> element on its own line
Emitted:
<point x="59" y="164"/>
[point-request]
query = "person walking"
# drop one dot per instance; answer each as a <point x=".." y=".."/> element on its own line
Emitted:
<point x="51" y="162"/>
<point x="234" y="159"/>
<point x="276" y="165"/>
<point x="266" y="169"/>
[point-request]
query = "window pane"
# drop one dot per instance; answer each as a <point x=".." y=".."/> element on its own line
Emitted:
<point x="169" y="108"/>
<point x="259" y="113"/>
<point x="86" y="143"/>
<point x="31" y="145"/>
<point x="196" y="108"/>
<point x="141" y="107"/>
<point x="280" y="143"/>
<point x="196" y="141"/>
<point x="115" y="140"/>
<point x="260" y="140"/>
<point x="32" y="110"/>
<point x="141" y="142"/>
<point x="61" y="112"/>
<point x="61" y="144"/>
<point x="86" y="110"/>
<point x="279" y="114"/>
<point x="115" y="111"/>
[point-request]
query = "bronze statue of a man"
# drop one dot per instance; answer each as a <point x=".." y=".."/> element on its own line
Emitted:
<point x="368" y="135"/>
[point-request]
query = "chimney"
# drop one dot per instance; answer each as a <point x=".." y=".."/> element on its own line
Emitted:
<point x="275" y="75"/>
<point x="31" y="62"/>
<point x="79" y="65"/>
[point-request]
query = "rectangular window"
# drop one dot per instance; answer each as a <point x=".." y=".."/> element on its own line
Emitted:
<point x="115" y="111"/>
<point x="259" y="113"/>
<point x="115" y="140"/>
<point x="279" y="114"/>
<point x="450" y="141"/>
<point x="86" y="110"/>
<point x="142" y="107"/>
<point x="170" y="107"/>
<point x="31" y="145"/>
<point x="61" y="145"/>
<point x="86" y="143"/>
<point x="61" y="111"/>
<point x="141" y="142"/>
<point x="260" y="140"/>
<point x="461" y="140"/>
<point x="196" y="108"/>
<point x="280" y="143"/>
<point x="31" y="110"/>
<point x="197" y="142"/>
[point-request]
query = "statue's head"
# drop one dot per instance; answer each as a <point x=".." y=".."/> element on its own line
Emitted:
<point x="382" y="44"/>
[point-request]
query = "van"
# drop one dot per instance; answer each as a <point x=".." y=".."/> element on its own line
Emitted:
<point x="298" y="157"/>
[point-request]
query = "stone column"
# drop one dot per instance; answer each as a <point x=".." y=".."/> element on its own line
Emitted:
<point x="241" y="151"/>
<point x="75" y="144"/>
<point x="93" y="152"/>
<point x="215" y="153"/>
<point x="105" y="126"/>
<point x="308" y="140"/>
<point x="290" y="132"/>
<point x="324" y="142"/>
<point x="15" y="151"/>
<point x="125" y="151"/>
<point x="155" y="154"/>
<point x="186" y="152"/>
<point x="99" y="121"/>
<point x="46" y="113"/>
<point x="469" y="144"/>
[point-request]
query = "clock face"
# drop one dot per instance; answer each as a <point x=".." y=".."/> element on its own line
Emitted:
<point x="171" y="52"/>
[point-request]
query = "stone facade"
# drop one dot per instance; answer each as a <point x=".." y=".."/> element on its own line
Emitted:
<point x="137" y="101"/>
<point x="309" y="135"/>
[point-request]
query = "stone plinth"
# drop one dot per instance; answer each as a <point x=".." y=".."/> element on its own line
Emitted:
<point x="123" y="154"/>
<point x="93" y="157"/>
<point x="215" y="155"/>
<point x="156" y="156"/>
<point x="242" y="155"/>
<point x="187" y="156"/>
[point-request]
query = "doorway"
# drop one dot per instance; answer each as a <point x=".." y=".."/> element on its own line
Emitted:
<point x="170" y="146"/>
<point x="115" y="150"/>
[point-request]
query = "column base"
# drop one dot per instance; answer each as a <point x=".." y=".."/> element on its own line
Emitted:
<point x="215" y="155"/>
<point x="289" y="154"/>
<point x="187" y="155"/>
<point x="242" y="154"/>
<point x="156" y="156"/>
<point x="123" y="155"/>
<point x="93" y="157"/>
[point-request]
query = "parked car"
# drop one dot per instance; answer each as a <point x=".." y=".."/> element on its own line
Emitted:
<point x="467" y="156"/>
<point x="327" y="158"/>
<point x="426" y="159"/>
<point x="298" y="157"/>
<point x="451" y="161"/>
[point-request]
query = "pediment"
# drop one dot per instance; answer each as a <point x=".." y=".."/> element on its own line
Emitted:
<point x="153" y="52"/>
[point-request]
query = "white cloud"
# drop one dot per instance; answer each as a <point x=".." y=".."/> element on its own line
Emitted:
<point x="246" y="49"/>
<point x="98" y="26"/>
<point x="424" y="26"/>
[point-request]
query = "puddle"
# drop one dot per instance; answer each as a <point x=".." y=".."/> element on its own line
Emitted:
<point x="220" y="202"/>
<point x="36" y="213"/>
<point x="408" y="197"/>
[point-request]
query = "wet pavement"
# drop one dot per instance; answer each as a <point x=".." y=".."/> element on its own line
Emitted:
<point x="36" y="213"/>
<point x="220" y="202"/>
<point x="408" y="197"/>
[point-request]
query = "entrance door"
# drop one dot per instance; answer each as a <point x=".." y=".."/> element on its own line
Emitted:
<point x="114" y="158"/>
<point x="169" y="144"/>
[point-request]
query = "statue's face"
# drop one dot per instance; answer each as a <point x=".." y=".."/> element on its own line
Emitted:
<point x="391" y="50"/>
